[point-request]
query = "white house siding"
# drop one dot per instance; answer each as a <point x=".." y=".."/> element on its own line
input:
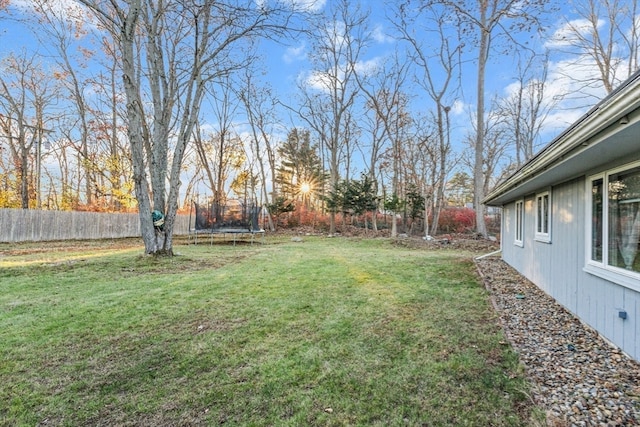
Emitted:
<point x="557" y="267"/>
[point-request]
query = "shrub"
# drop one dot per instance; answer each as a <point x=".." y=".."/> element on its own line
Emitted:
<point x="456" y="220"/>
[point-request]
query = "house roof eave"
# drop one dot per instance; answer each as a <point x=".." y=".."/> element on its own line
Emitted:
<point x="616" y="112"/>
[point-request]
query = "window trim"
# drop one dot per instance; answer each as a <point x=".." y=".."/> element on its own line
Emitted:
<point x="602" y="269"/>
<point x="544" y="235"/>
<point x="518" y="235"/>
<point x="589" y="223"/>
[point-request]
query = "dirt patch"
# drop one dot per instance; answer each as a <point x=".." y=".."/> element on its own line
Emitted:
<point x="450" y="242"/>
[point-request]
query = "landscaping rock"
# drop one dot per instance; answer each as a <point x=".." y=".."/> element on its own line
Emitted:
<point x="578" y="378"/>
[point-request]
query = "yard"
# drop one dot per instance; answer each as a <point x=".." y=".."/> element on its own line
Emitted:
<point x="323" y="332"/>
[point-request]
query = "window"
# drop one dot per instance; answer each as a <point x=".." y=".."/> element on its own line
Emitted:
<point x="519" y="231"/>
<point x="543" y="218"/>
<point x="614" y="228"/>
<point x="597" y="190"/>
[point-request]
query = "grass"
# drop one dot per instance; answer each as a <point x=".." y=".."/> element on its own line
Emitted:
<point x="329" y="332"/>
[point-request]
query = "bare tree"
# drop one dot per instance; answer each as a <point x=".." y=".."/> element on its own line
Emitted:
<point x="259" y="105"/>
<point x="27" y="91"/>
<point x="225" y="142"/>
<point x="113" y="183"/>
<point x="481" y="24"/>
<point x="220" y="152"/>
<point x="92" y="102"/>
<point x="526" y="107"/>
<point x="388" y="102"/>
<point x="329" y="94"/>
<point x="372" y="152"/>
<point x="379" y="86"/>
<point x="605" y="39"/>
<point x="438" y="66"/>
<point x="497" y="143"/>
<point x="171" y="52"/>
<point x="65" y="194"/>
<point x="60" y="27"/>
<point x="195" y="173"/>
<point x="420" y="158"/>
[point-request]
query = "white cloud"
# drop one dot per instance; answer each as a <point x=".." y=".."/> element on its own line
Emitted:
<point x="561" y="120"/>
<point x="574" y="80"/>
<point x="316" y="80"/>
<point x="571" y="89"/>
<point x="302" y="5"/>
<point x="578" y="76"/>
<point x="322" y="81"/>
<point x="571" y="32"/>
<point x="379" y="35"/>
<point x="511" y="89"/>
<point x="368" y="67"/>
<point x="67" y="10"/>
<point x="458" y="107"/>
<point x="334" y="33"/>
<point x="295" y="53"/>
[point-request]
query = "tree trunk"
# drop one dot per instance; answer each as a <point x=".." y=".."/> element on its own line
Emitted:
<point x="478" y="173"/>
<point x="394" y="224"/>
<point x="134" y="130"/>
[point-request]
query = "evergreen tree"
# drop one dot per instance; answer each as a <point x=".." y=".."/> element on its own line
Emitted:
<point x="415" y="202"/>
<point x="337" y="199"/>
<point x="300" y="175"/>
<point x="364" y="196"/>
<point x="354" y="197"/>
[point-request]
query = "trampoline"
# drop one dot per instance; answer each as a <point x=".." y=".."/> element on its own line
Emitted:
<point x="234" y="218"/>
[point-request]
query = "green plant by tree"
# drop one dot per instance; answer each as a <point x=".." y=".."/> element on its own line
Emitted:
<point x="280" y="206"/>
<point x="363" y="196"/>
<point x="414" y="205"/>
<point x="353" y="198"/>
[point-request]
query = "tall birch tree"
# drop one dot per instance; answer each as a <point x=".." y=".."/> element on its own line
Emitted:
<point x="482" y="24"/>
<point x="170" y="52"/>
<point x="438" y="65"/>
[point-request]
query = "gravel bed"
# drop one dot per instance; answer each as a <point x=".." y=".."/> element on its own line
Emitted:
<point x="577" y="377"/>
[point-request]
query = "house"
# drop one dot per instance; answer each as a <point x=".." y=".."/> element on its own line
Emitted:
<point x="571" y="218"/>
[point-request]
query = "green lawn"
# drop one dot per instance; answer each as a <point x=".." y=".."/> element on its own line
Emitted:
<point x="320" y="333"/>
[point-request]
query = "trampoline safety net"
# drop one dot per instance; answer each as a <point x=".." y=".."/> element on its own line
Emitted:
<point x="232" y="216"/>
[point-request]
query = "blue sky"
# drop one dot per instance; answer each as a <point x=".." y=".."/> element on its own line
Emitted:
<point x="287" y="63"/>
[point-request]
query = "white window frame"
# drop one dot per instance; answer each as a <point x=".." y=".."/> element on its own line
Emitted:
<point x="590" y="222"/>
<point x="519" y="223"/>
<point x="543" y="217"/>
<point x="601" y="268"/>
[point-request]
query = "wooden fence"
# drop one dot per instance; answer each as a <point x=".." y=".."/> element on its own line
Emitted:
<point x="20" y="225"/>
